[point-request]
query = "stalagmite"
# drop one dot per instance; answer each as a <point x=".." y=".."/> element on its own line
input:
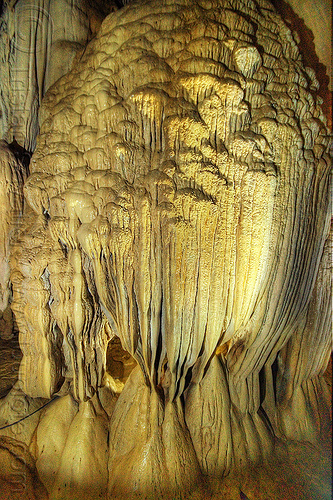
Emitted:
<point x="51" y="437"/>
<point x="171" y="276"/>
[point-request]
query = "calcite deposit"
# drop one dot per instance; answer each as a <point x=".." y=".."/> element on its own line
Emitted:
<point x="13" y="173"/>
<point x="39" y="41"/>
<point x="171" y="279"/>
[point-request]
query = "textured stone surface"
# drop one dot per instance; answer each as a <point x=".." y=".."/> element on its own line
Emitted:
<point x="39" y="40"/>
<point x="18" y="478"/>
<point x="177" y="203"/>
<point x="13" y="173"/>
<point x="10" y="355"/>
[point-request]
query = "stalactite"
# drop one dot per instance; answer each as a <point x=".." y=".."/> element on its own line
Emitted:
<point x="177" y="205"/>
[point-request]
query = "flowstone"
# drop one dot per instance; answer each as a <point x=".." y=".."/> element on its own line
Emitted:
<point x="171" y="278"/>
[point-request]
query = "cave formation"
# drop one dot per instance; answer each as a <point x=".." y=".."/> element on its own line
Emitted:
<point x="165" y="254"/>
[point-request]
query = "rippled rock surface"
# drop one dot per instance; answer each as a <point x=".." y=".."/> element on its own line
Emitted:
<point x="177" y="213"/>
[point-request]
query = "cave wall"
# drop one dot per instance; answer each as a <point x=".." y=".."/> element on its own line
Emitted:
<point x="176" y="220"/>
<point x="39" y="41"/>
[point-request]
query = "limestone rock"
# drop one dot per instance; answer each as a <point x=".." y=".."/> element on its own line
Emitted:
<point x="51" y="437"/>
<point x="16" y="406"/>
<point x="304" y="397"/>
<point x="17" y="472"/>
<point x="39" y="41"/>
<point x="10" y="356"/>
<point x="83" y="466"/>
<point x="151" y="452"/>
<point x="12" y="176"/>
<point x="178" y="201"/>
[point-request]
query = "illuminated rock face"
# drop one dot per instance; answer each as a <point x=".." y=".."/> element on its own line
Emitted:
<point x="178" y="202"/>
<point x="39" y="40"/>
<point x="12" y="177"/>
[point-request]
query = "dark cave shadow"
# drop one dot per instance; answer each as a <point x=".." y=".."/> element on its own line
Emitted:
<point x="308" y="52"/>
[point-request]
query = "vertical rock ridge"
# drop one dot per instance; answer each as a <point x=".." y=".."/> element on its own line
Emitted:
<point x="178" y="200"/>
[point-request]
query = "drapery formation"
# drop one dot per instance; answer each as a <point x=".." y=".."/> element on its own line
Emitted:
<point x="178" y="200"/>
<point x="39" y="41"/>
